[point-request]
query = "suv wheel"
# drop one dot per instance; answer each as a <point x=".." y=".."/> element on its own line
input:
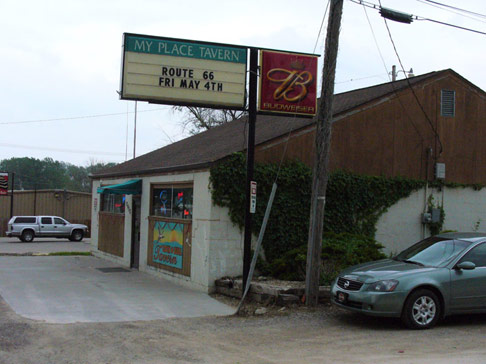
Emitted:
<point x="77" y="235"/>
<point x="27" y="236"/>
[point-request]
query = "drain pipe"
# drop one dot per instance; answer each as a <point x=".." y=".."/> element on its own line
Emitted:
<point x="428" y="152"/>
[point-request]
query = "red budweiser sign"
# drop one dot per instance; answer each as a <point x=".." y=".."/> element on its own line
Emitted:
<point x="3" y="183"/>
<point x="288" y="83"/>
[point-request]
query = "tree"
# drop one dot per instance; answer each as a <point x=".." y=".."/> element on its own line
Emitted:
<point x="35" y="174"/>
<point x="198" y="119"/>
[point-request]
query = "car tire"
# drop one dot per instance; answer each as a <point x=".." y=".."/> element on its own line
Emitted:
<point x="27" y="236"/>
<point x="422" y="310"/>
<point x="77" y="235"/>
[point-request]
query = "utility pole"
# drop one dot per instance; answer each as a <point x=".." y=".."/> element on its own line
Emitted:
<point x="250" y="156"/>
<point x="322" y="143"/>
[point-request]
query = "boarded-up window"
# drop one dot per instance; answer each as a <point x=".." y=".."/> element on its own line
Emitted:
<point x="448" y="103"/>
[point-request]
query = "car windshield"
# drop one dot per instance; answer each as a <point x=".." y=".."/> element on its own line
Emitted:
<point x="434" y="251"/>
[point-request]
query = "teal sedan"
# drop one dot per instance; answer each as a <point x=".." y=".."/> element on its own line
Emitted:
<point x="439" y="276"/>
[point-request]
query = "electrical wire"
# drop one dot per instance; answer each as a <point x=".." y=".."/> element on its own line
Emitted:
<point x="455" y="8"/>
<point x="322" y="23"/>
<point x="391" y="83"/>
<point x="418" y="17"/>
<point x="60" y="150"/>
<point x="76" y="117"/>
<point x="411" y="88"/>
<point x="360" y="78"/>
<point x="450" y="11"/>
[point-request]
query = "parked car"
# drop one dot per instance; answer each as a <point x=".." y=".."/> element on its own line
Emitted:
<point x="439" y="276"/>
<point x="26" y="228"/>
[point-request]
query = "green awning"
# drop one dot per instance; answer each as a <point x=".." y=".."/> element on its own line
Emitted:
<point x="132" y="187"/>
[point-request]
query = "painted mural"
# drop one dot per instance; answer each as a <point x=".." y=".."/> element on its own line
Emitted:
<point x="168" y="243"/>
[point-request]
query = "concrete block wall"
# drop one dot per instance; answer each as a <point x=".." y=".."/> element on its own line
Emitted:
<point x="401" y="225"/>
<point x="226" y="247"/>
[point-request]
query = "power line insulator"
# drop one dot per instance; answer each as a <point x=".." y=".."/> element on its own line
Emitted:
<point x="396" y="15"/>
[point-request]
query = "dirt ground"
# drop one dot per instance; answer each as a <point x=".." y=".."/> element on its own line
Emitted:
<point x="291" y="335"/>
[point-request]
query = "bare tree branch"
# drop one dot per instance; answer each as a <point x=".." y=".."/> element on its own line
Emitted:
<point x="198" y="119"/>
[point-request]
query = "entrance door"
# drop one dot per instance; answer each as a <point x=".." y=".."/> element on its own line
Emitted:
<point x="135" y="251"/>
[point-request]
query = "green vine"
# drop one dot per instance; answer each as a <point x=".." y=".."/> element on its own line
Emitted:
<point x="354" y="202"/>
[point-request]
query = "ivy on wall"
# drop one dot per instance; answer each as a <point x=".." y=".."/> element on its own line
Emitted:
<point x="354" y="202"/>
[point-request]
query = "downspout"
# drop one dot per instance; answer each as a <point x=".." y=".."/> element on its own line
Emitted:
<point x="428" y="153"/>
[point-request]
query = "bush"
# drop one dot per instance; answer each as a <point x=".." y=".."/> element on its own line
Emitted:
<point x="339" y="251"/>
<point x="354" y="203"/>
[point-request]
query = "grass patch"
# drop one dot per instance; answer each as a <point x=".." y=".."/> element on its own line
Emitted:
<point x="70" y="253"/>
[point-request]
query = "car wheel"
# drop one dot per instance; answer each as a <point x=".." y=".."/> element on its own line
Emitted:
<point x="77" y="235"/>
<point x="422" y="310"/>
<point x="27" y="236"/>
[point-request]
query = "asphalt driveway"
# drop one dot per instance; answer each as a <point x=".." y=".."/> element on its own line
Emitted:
<point x="65" y="289"/>
<point x="43" y="246"/>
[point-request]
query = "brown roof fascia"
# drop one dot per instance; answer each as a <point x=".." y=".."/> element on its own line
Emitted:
<point x="155" y="171"/>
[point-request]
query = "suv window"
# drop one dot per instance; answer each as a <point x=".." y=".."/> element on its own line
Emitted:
<point x="24" y="220"/>
<point x="59" y="221"/>
<point x="46" y="220"/>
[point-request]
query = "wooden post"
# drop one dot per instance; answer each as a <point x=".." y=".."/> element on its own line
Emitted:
<point x="323" y="141"/>
<point x="12" y="195"/>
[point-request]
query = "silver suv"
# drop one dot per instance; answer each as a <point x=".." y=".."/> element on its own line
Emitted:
<point x="26" y="228"/>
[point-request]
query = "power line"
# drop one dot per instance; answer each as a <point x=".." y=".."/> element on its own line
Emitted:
<point x="360" y="78"/>
<point x="417" y="17"/>
<point x="322" y="23"/>
<point x="60" y="150"/>
<point x="450" y="10"/>
<point x="391" y="83"/>
<point x="75" y="117"/>
<point x="411" y="88"/>
<point x="455" y="8"/>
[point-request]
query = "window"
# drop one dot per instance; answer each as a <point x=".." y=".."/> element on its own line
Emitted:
<point x="46" y="220"/>
<point x="172" y="201"/>
<point x="25" y="220"/>
<point x="477" y="255"/>
<point x="448" y="103"/>
<point x="59" y="221"/>
<point x="113" y="203"/>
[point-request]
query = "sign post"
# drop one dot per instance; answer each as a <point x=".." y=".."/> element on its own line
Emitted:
<point x="202" y="74"/>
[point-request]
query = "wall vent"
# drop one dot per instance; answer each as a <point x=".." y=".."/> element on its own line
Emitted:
<point x="448" y="103"/>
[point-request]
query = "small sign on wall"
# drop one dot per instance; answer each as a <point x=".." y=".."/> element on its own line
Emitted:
<point x="253" y="193"/>
<point x="3" y="183"/>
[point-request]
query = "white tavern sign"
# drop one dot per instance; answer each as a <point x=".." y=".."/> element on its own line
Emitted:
<point x="183" y="72"/>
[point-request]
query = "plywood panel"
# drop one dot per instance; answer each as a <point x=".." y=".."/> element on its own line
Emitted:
<point x="111" y="233"/>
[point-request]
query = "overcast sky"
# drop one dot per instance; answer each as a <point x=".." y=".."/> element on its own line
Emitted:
<point x="60" y="59"/>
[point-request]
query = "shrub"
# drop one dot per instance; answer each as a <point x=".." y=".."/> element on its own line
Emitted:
<point x="338" y="252"/>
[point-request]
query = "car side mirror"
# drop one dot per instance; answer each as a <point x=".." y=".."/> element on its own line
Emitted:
<point x="466" y="265"/>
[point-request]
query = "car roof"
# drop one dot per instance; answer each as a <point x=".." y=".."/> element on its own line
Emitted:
<point x="467" y="236"/>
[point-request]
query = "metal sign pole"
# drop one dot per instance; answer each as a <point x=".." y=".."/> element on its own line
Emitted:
<point x="250" y="156"/>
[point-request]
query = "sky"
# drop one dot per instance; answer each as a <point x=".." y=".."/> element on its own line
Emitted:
<point x="61" y="61"/>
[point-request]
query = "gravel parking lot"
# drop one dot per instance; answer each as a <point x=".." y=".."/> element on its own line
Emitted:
<point x="297" y="335"/>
